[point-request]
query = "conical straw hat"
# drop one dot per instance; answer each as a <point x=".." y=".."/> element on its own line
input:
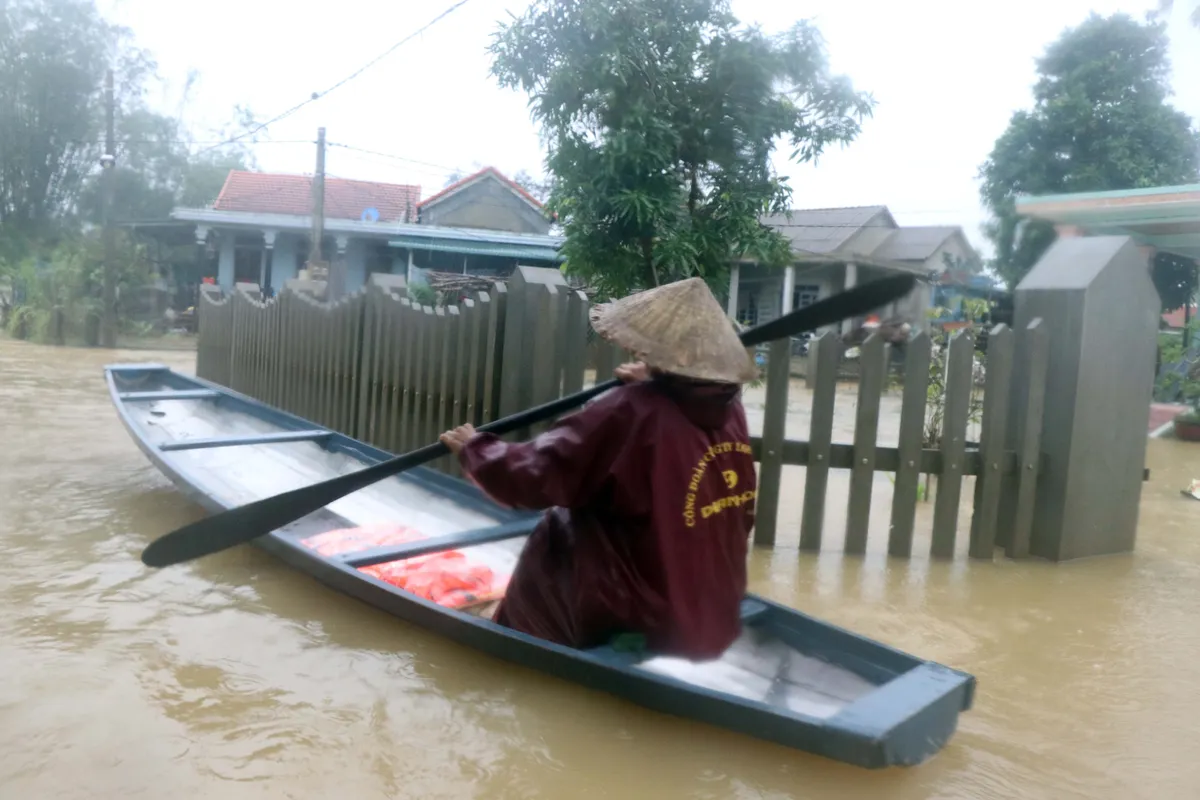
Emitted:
<point x="679" y="328"/>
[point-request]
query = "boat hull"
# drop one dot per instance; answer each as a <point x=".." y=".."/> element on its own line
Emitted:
<point x="884" y="707"/>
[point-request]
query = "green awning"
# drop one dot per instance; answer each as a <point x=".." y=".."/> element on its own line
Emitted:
<point x="477" y="248"/>
<point x="1165" y="217"/>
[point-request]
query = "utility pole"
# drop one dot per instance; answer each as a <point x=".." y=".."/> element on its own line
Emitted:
<point x="318" y="268"/>
<point x="108" y="165"/>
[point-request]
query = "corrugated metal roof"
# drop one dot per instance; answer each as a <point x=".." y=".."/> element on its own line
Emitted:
<point x="914" y="244"/>
<point x="477" y="248"/>
<point x="822" y="230"/>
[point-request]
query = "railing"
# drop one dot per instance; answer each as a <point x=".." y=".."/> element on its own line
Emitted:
<point x="391" y="372"/>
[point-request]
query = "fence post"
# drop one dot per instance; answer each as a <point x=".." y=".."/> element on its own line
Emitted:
<point x="575" y="335"/>
<point x="529" y="369"/>
<point x="820" y="438"/>
<point x="770" y="473"/>
<point x="911" y="440"/>
<point x="872" y="366"/>
<point x="1028" y="439"/>
<point x="960" y="360"/>
<point x="991" y="442"/>
<point x="1101" y="312"/>
<point x="497" y="316"/>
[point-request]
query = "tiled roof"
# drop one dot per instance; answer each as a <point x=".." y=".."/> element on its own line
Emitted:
<point x="273" y="193"/>
<point x="914" y="243"/>
<point x="822" y="230"/>
<point x="486" y="171"/>
<point x="1174" y="319"/>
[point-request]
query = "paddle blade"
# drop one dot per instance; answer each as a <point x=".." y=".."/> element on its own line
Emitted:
<point x="246" y="523"/>
<point x="860" y="300"/>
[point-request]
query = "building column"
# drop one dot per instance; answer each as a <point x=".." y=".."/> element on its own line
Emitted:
<point x="268" y="257"/>
<point x="851" y="282"/>
<point x="731" y="306"/>
<point x="225" y="261"/>
<point x="336" y="288"/>
<point x="201" y="261"/>
<point x="789" y="290"/>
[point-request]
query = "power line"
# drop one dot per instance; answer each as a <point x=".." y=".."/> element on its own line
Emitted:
<point x="318" y="95"/>
<point x="351" y="147"/>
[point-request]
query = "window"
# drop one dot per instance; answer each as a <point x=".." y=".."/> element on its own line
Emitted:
<point x="805" y="295"/>
<point x="747" y="313"/>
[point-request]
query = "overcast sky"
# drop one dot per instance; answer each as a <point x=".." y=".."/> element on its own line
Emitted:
<point x="947" y="74"/>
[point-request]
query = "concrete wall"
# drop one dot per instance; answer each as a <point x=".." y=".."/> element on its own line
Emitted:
<point x="487" y="204"/>
<point x="953" y="247"/>
<point x="283" y="263"/>
<point x="764" y="287"/>
<point x="356" y="264"/>
<point x="225" y="261"/>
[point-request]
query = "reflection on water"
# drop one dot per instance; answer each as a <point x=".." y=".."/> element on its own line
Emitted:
<point x="234" y="677"/>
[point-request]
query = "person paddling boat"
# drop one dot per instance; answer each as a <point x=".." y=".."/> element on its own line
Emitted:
<point x="649" y="490"/>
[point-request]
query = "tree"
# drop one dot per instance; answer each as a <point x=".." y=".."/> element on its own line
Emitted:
<point x="660" y="118"/>
<point x="53" y="57"/>
<point x="1165" y="7"/>
<point x="539" y="189"/>
<point x="1101" y="121"/>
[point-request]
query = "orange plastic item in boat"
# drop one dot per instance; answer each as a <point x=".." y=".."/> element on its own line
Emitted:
<point x="447" y="578"/>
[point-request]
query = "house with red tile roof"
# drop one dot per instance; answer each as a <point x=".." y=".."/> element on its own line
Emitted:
<point x="258" y="229"/>
<point x="1179" y="319"/>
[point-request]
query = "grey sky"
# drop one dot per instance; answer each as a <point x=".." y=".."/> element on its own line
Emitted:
<point x="947" y="75"/>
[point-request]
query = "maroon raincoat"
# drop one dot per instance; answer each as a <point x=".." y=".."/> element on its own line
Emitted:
<point x="650" y="491"/>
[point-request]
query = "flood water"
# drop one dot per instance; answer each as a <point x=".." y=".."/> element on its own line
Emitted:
<point x="234" y="677"/>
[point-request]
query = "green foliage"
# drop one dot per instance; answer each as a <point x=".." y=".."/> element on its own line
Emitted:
<point x="935" y="395"/>
<point x="660" y="118"/>
<point x="156" y="171"/>
<point x="423" y="294"/>
<point x="1101" y="121"/>
<point x="67" y="277"/>
<point x="1166" y="6"/>
<point x="53" y="59"/>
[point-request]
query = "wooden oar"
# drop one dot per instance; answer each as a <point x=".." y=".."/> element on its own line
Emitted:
<point x="245" y="523"/>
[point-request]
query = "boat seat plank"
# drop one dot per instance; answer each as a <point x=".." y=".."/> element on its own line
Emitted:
<point x="752" y="611"/>
<point x="176" y="394"/>
<point x="435" y="544"/>
<point x="239" y="441"/>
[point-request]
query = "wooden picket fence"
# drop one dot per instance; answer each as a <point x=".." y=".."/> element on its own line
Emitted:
<point x="1005" y="462"/>
<point x="384" y="369"/>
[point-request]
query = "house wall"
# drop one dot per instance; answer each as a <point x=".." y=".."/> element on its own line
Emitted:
<point x="953" y="247"/>
<point x="225" y="261"/>
<point x="283" y="263"/>
<point x="760" y="290"/>
<point x="356" y="264"/>
<point x="487" y="204"/>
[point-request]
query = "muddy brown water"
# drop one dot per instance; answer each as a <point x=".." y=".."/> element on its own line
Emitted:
<point x="235" y="677"/>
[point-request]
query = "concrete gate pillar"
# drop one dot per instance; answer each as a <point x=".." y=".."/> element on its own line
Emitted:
<point x="1097" y="300"/>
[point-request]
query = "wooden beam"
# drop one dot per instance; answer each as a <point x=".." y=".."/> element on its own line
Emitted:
<point x="887" y="459"/>
<point x="240" y="441"/>
<point x="437" y="544"/>
<point x="176" y="394"/>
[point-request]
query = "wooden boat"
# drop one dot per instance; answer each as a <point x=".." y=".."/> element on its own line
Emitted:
<point x="789" y="678"/>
